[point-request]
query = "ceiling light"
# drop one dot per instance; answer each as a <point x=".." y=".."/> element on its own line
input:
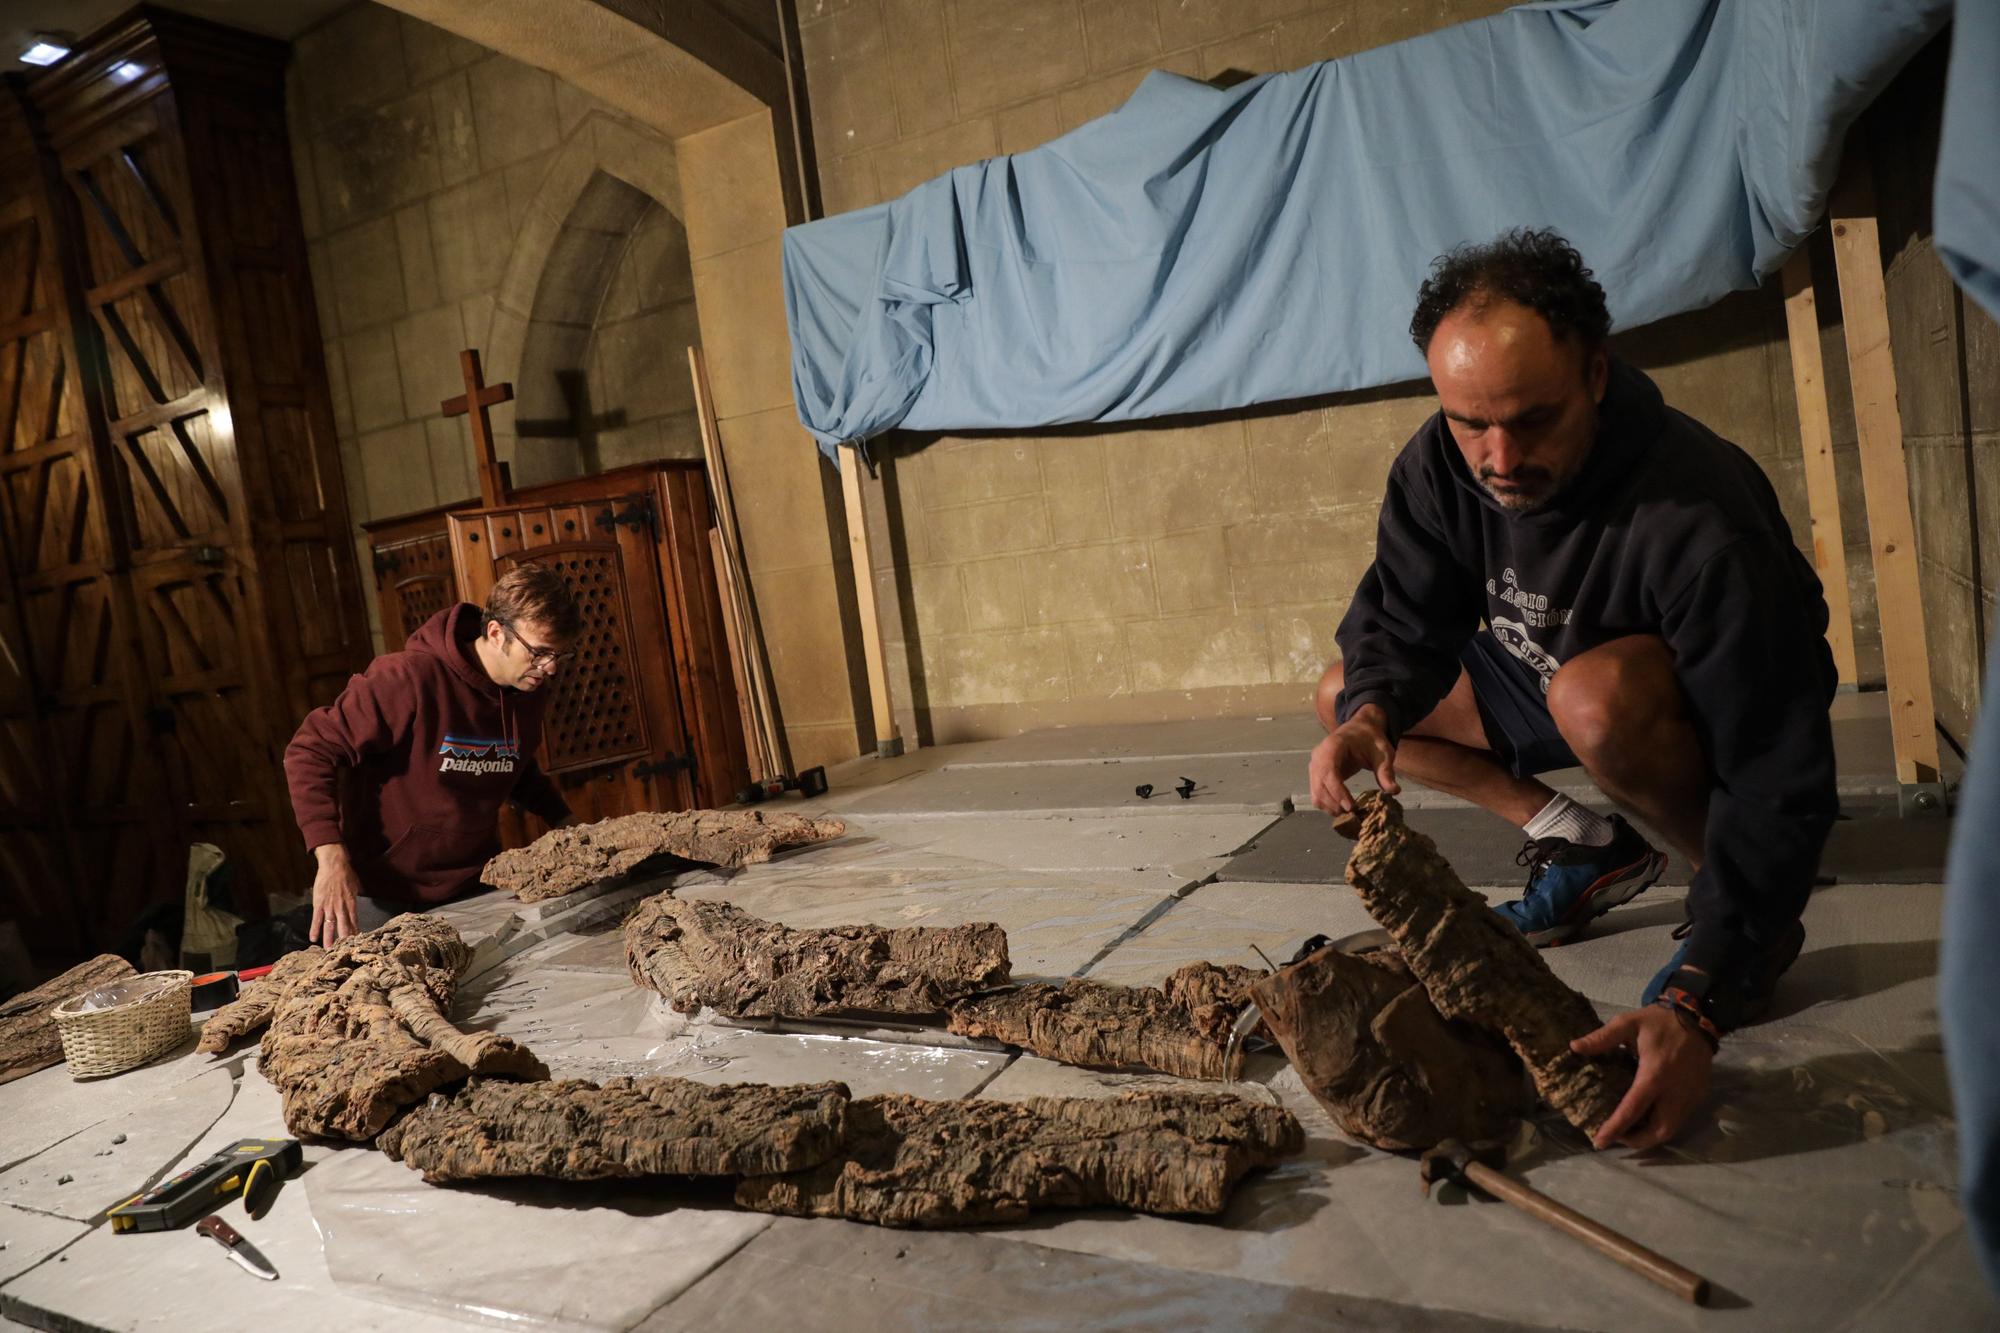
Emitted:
<point x="45" y="49"/>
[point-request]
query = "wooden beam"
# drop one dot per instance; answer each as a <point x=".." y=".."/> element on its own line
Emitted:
<point x="1885" y="478"/>
<point x="1816" y="440"/>
<point x="887" y="742"/>
<point x="777" y="747"/>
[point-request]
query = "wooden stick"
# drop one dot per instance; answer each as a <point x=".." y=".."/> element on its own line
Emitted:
<point x="732" y="547"/>
<point x="864" y="598"/>
<point x="753" y="735"/>
<point x="1816" y="440"/>
<point x="1690" y="1286"/>
<point x="1885" y="478"/>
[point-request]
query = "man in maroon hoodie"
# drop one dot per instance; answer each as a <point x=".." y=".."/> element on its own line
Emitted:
<point x="436" y="736"/>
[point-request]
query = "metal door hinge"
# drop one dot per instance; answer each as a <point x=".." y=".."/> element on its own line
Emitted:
<point x="632" y="515"/>
<point x="672" y="763"/>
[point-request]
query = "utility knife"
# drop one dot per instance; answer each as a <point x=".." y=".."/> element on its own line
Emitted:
<point x="239" y="1249"/>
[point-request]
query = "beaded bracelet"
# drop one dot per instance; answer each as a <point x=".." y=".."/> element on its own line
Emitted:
<point x="1689" y="1008"/>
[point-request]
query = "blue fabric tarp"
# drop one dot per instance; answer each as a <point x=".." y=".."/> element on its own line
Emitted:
<point x="1967" y="198"/>
<point x="1201" y="249"/>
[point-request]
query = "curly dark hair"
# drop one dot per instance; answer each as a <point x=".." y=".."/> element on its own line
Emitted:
<point x="1537" y="269"/>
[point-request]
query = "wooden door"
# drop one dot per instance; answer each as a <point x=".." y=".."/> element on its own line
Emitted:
<point x="178" y="503"/>
<point x="84" y="842"/>
<point x="613" y="736"/>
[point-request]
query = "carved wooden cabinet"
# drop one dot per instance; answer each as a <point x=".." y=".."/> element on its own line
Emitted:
<point x="411" y="559"/>
<point x="645" y="717"/>
<point x="177" y="582"/>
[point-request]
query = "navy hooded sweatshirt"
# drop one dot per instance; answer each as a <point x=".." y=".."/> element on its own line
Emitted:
<point x="1667" y="529"/>
<point x="435" y="747"/>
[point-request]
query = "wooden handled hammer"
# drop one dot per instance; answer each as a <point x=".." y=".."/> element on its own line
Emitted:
<point x="1477" y="1167"/>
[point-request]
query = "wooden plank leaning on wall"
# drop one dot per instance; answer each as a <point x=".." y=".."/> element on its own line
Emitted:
<point x="1885" y="484"/>
<point x="1829" y="545"/>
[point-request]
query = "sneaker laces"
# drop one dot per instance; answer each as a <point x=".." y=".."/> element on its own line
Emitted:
<point x="1536" y="854"/>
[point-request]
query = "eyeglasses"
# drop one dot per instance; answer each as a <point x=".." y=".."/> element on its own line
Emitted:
<point x="542" y="658"/>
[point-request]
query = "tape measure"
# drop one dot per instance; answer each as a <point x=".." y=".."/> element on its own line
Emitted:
<point x="250" y="1167"/>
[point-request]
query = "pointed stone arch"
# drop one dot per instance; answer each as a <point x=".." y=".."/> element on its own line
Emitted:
<point x="600" y="183"/>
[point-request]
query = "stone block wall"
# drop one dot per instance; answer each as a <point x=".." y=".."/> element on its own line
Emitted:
<point x="1170" y="569"/>
<point x="419" y="155"/>
<point x="455" y="196"/>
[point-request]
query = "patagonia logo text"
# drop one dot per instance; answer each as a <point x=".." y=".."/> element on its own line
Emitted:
<point x="471" y="754"/>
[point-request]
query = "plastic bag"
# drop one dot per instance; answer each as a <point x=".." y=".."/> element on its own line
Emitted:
<point x="125" y="992"/>
<point x="208" y="933"/>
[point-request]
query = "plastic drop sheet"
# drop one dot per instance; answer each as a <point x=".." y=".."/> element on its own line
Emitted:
<point x="523" y="1254"/>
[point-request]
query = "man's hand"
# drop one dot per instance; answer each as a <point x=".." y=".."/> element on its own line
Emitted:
<point x="1672" y="1082"/>
<point x="335" y="888"/>
<point x="1360" y="742"/>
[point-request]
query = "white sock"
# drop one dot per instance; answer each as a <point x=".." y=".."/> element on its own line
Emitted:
<point x="1564" y="818"/>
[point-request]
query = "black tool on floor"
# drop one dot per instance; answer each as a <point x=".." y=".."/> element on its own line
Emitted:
<point x="1185" y="787"/>
<point x="812" y="782"/>
<point x="250" y="1167"/>
<point x="1144" y="791"/>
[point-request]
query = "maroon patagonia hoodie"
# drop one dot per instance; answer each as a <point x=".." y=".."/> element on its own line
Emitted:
<point x="435" y="747"/>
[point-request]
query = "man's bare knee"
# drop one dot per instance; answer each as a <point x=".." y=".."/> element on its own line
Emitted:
<point x="1328" y="693"/>
<point x="1607" y="701"/>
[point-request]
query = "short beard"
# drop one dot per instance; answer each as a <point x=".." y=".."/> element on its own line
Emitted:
<point x="1516" y="501"/>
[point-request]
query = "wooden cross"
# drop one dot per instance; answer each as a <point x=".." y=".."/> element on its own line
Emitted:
<point x="478" y="396"/>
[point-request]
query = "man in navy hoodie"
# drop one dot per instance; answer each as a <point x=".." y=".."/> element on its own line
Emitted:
<point x="436" y="737"/>
<point x="1568" y="571"/>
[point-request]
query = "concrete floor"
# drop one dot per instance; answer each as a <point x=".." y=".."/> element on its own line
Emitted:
<point x="1818" y="1192"/>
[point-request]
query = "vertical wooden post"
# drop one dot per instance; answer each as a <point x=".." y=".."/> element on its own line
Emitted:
<point x="1816" y="439"/>
<point x="1885" y="482"/>
<point x="887" y="742"/>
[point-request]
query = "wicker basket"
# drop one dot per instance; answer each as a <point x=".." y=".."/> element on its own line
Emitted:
<point x="110" y="1041"/>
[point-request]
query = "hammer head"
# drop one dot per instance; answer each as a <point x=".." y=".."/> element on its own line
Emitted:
<point x="1448" y="1160"/>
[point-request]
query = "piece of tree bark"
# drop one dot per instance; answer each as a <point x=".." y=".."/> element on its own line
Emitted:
<point x="1212" y="995"/>
<point x="1476" y="967"/>
<point x="361" y="1032"/>
<point x="712" y="954"/>
<point x="576" y="1130"/>
<point x="567" y="859"/>
<point x="1369" y="1046"/>
<point x="29" y="1040"/>
<point x="251" y="1010"/>
<point x="1181" y="1028"/>
<point x="908" y="1162"/>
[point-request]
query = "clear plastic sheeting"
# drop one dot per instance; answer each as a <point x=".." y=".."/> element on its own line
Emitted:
<point x="527" y="1254"/>
<point x="130" y="991"/>
<point x="88" y="1172"/>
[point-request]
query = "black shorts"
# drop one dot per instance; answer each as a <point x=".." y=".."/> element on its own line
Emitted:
<point x="1513" y="709"/>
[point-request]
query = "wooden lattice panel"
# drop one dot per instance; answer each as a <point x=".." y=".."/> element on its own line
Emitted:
<point x="422" y="596"/>
<point x="594" y="715"/>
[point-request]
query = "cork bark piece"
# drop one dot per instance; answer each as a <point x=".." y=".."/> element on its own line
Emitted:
<point x="564" y="860"/>
<point x="576" y="1130"/>
<point x="361" y="1033"/>
<point x="908" y="1162"/>
<point x="251" y="1010"/>
<point x="712" y="954"/>
<point x="1371" y="1048"/>
<point x="1179" y="1028"/>
<point x="1475" y="966"/>
<point x="29" y="1041"/>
